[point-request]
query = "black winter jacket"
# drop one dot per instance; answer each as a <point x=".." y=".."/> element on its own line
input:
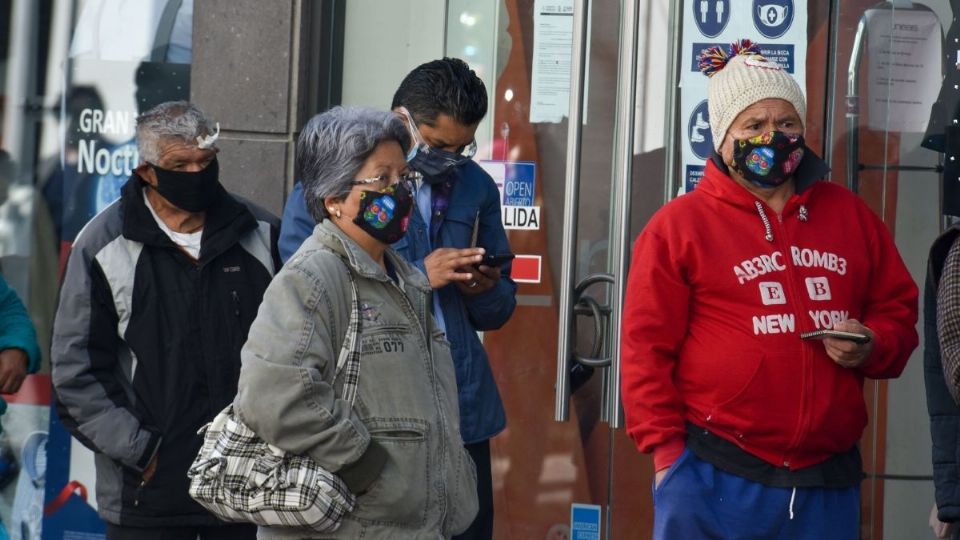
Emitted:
<point x="944" y="412"/>
<point x="146" y="346"/>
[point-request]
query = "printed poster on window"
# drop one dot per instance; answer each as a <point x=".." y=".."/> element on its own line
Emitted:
<point x="904" y="73"/>
<point x="125" y="58"/>
<point x="778" y="26"/>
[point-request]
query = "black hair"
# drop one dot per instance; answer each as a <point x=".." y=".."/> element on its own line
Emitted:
<point x="447" y="86"/>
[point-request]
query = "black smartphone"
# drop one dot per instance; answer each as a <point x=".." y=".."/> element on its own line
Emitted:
<point x="496" y="260"/>
<point x="489" y="259"/>
<point x="855" y="337"/>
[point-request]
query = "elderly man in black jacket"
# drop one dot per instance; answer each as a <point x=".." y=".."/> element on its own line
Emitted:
<point x="160" y="291"/>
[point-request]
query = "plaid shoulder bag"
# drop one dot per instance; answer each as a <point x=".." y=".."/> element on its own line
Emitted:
<point x="237" y="476"/>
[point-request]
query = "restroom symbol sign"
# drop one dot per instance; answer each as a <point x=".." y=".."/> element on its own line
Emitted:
<point x="711" y="16"/>
<point x="773" y="17"/>
<point x="698" y="131"/>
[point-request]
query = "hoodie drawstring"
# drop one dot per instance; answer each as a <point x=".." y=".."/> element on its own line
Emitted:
<point x="793" y="497"/>
<point x="766" y="221"/>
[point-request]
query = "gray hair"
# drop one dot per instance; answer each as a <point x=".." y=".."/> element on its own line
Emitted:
<point x="179" y="120"/>
<point x="334" y="145"/>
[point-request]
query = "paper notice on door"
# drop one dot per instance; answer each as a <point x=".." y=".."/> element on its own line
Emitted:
<point x="905" y="68"/>
<point x="552" y="48"/>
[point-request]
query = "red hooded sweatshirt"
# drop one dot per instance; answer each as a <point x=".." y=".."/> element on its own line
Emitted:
<point x="719" y="291"/>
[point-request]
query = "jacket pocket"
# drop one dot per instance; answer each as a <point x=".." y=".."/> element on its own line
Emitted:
<point x="400" y="495"/>
<point x="458" y="226"/>
<point x="671" y="472"/>
<point x="765" y="400"/>
<point x="462" y="503"/>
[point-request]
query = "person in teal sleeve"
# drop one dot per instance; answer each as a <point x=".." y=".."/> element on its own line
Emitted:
<point x="19" y="351"/>
<point x="19" y="355"/>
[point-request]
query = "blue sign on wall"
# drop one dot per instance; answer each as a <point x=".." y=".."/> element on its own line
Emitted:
<point x="692" y="177"/>
<point x="518" y="183"/>
<point x="779" y="53"/>
<point x="698" y="131"/>
<point x="711" y="16"/>
<point x="773" y="17"/>
<point x="584" y="522"/>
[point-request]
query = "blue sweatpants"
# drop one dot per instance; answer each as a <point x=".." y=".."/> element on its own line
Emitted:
<point x="696" y="500"/>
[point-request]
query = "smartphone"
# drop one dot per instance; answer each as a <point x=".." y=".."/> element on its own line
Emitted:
<point x="838" y="334"/>
<point x="496" y="260"/>
<point x="489" y="259"/>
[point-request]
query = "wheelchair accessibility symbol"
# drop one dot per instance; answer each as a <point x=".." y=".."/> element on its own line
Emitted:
<point x="772" y="17"/>
<point x="698" y="130"/>
<point x="711" y="16"/>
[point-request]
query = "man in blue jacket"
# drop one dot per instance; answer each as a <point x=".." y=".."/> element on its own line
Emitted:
<point x="442" y="102"/>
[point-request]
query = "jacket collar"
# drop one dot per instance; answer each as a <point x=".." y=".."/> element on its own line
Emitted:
<point x="227" y="221"/>
<point x="811" y="169"/>
<point x="330" y="236"/>
<point x="718" y="183"/>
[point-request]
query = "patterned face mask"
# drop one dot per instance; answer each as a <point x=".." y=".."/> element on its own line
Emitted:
<point x="768" y="159"/>
<point x="384" y="215"/>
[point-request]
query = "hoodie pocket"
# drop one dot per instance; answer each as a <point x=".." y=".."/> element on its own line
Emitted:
<point x="765" y="402"/>
<point x="400" y="495"/>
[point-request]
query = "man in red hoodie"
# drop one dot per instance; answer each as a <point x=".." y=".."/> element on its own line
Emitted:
<point x="753" y="425"/>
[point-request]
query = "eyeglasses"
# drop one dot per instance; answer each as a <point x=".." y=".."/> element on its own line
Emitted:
<point x="408" y="180"/>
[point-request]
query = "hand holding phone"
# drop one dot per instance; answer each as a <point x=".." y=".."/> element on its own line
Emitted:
<point x="496" y="260"/>
<point x="493" y="260"/>
<point x="855" y="337"/>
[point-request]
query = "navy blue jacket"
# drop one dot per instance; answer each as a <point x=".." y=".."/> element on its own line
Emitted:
<point x="944" y="412"/>
<point x="481" y="409"/>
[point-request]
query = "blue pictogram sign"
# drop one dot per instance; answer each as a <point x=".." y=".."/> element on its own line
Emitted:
<point x="711" y="16"/>
<point x="698" y="131"/>
<point x="773" y="17"/>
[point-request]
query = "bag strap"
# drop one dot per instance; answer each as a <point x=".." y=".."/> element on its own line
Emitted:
<point x="348" y="363"/>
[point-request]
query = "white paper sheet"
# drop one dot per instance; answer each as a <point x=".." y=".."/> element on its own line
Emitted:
<point x="904" y="73"/>
<point x="552" y="48"/>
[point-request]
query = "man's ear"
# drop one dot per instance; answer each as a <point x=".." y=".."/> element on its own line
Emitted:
<point x="145" y="171"/>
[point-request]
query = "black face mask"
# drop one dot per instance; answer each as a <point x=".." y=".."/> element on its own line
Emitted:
<point x="384" y="215"/>
<point x="190" y="191"/>
<point x="769" y="159"/>
<point x="434" y="164"/>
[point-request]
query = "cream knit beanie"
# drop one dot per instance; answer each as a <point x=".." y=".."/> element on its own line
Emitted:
<point x="739" y="77"/>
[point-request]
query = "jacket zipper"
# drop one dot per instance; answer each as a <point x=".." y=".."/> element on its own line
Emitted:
<point x="138" y="493"/>
<point x="800" y="430"/>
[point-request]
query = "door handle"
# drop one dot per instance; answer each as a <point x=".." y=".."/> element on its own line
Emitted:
<point x="570" y="218"/>
<point x="853" y="107"/>
<point x="588" y="306"/>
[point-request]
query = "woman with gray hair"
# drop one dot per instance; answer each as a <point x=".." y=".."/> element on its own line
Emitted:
<point x="397" y="446"/>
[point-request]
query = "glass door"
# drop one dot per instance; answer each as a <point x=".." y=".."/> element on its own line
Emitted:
<point x="892" y="113"/>
<point x="576" y="147"/>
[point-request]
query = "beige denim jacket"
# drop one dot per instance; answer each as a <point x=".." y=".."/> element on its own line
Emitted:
<point x="406" y="397"/>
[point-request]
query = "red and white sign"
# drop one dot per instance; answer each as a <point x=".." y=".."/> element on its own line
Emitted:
<point x="526" y="269"/>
